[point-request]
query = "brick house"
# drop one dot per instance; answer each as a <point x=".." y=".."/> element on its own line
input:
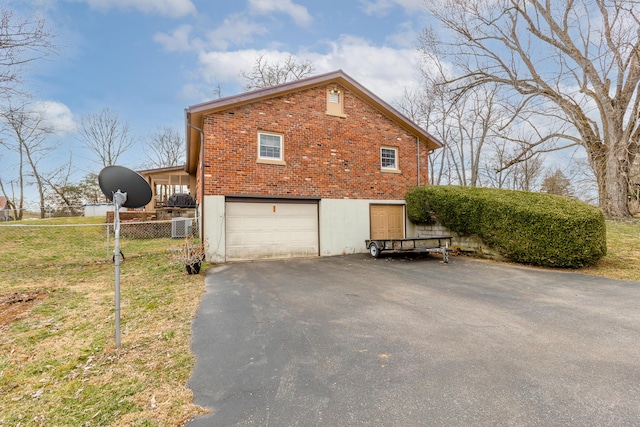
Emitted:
<point x="307" y="168"/>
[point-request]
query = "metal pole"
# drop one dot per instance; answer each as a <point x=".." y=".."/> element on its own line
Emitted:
<point x="116" y="260"/>
<point x="118" y="200"/>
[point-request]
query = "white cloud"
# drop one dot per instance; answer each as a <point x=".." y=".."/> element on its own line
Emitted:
<point x="171" y="8"/>
<point x="177" y="40"/>
<point x="299" y="14"/>
<point x="382" y="7"/>
<point x="377" y="7"/>
<point x="384" y="70"/>
<point x="195" y="91"/>
<point x="57" y="116"/>
<point x="235" y="30"/>
<point x="405" y="35"/>
<point x="225" y="67"/>
<point x="411" y="5"/>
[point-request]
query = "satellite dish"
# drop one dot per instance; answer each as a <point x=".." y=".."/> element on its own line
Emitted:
<point x="137" y="189"/>
<point x="125" y="188"/>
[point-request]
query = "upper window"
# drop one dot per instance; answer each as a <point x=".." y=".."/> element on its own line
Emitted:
<point x="270" y="148"/>
<point x="389" y="158"/>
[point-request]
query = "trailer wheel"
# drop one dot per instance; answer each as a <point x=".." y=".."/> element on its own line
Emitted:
<point x="374" y="250"/>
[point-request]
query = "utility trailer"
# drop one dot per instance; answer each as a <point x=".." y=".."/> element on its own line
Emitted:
<point x="412" y="244"/>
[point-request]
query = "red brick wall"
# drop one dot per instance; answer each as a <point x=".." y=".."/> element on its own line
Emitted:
<point x="326" y="156"/>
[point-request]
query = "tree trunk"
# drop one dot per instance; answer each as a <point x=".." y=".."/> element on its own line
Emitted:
<point x="613" y="201"/>
<point x="611" y="167"/>
<point x="20" y="205"/>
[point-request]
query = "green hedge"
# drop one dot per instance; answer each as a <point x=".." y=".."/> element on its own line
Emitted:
<point x="529" y="228"/>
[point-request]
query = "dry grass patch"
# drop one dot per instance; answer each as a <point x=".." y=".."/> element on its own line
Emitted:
<point x="15" y="305"/>
<point x="623" y="252"/>
<point x="58" y="361"/>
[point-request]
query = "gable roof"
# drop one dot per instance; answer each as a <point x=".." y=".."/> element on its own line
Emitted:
<point x="195" y="113"/>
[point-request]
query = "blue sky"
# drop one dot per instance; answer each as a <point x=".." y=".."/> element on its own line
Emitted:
<point x="150" y="59"/>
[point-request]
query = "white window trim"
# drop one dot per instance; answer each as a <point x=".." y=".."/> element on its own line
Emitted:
<point x="393" y="169"/>
<point x="272" y="160"/>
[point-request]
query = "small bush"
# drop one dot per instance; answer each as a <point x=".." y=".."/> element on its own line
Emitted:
<point x="529" y="228"/>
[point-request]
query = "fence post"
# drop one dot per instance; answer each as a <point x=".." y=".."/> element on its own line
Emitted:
<point x="108" y="240"/>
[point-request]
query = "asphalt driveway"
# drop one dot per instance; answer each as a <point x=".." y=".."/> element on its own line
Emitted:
<point x="358" y="341"/>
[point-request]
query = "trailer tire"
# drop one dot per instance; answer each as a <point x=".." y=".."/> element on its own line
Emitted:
<point x="374" y="250"/>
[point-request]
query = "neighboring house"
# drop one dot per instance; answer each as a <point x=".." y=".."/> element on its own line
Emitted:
<point x="4" y="209"/>
<point x="164" y="183"/>
<point x="307" y="168"/>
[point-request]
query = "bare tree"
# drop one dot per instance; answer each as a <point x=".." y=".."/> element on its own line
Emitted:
<point x="471" y="127"/>
<point x="555" y="182"/>
<point x="265" y="74"/>
<point x="27" y="132"/>
<point x="581" y="57"/>
<point x="106" y="136"/>
<point x="417" y="105"/>
<point x="523" y="175"/>
<point x="165" y="147"/>
<point x="476" y="120"/>
<point x="217" y="92"/>
<point x="22" y="40"/>
<point x="65" y="195"/>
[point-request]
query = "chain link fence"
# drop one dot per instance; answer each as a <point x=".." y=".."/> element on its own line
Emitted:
<point x="9" y="214"/>
<point x="78" y="241"/>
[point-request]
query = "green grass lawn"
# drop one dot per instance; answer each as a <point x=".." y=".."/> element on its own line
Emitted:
<point x="623" y="252"/>
<point x="58" y="361"/>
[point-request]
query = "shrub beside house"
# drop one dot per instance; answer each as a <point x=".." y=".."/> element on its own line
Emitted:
<point x="529" y="228"/>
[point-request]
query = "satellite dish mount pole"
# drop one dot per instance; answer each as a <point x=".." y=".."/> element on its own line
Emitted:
<point x="119" y="198"/>
<point x="125" y="188"/>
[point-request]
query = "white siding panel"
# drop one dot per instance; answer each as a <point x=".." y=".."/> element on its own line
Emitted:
<point x="345" y="225"/>
<point x="271" y="230"/>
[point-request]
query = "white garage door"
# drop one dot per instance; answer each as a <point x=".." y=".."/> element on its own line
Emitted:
<point x="271" y="230"/>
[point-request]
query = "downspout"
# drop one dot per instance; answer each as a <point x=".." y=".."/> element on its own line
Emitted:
<point x="187" y="119"/>
<point x="418" y="148"/>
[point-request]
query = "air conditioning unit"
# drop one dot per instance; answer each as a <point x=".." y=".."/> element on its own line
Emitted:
<point x="181" y="227"/>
